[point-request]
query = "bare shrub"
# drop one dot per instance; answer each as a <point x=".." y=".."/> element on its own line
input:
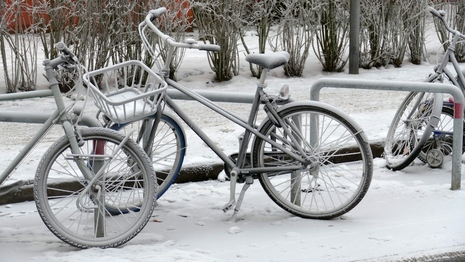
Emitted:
<point x="218" y="22"/>
<point x="176" y="22"/>
<point x="415" y="21"/>
<point x="332" y="35"/>
<point x="20" y="70"/>
<point x="294" y="34"/>
<point x="389" y="29"/>
<point x="260" y="15"/>
<point x="375" y="49"/>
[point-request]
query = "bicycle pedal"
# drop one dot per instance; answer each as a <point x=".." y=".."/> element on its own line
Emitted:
<point x="228" y="206"/>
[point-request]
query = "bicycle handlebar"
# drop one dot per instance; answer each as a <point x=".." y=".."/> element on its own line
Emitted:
<point x="154" y="14"/>
<point x="441" y="15"/>
<point x="66" y="59"/>
<point x="438" y="13"/>
<point x="157" y="12"/>
<point x="60" y="46"/>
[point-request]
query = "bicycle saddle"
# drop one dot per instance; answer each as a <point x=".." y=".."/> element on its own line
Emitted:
<point x="268" y="61"/>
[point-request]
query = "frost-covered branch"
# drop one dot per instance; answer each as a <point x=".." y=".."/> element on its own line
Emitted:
<point x="261" y="15"/>
<point x="218" y="22"/>
<point x="332" y="35"/>
<point x="295" y="31"/>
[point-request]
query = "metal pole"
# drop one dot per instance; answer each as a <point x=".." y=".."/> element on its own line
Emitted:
<point x="354" y="45"/>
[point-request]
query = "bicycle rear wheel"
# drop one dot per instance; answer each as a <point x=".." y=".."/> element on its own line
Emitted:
<point x="410" y="128"/>
<point x="441" y="138"/>
<point x="340" y="166"/>
<point x="82" y="213"/>
<point x="168" y="146"/>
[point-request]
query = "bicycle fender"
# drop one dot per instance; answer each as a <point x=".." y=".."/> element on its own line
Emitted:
<point x="172" y="116"/>
<point x="323" y="106"/>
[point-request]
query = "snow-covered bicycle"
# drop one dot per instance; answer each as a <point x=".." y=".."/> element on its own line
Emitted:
<point x="422" y="125"/>
<point x="94" y="187"/>
<point x="310" y="158"/>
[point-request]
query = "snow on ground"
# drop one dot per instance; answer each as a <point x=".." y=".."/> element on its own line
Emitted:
<point x="408" y="213"/>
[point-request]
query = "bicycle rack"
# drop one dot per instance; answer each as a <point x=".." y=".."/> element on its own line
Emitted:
<point x="415" y="87"/>
<point x="227" y="97"/>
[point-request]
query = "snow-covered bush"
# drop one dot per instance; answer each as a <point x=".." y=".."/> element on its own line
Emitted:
<point x="331" y="38"/>
<point x="375" y="27"/>
<point x="177" y="20"/>
<point x="99" y="32"/>
<point x="20" y="70"/>
<point x="416" y="22"/>
<point x="389" y="29"/>
<point x="260" y="15"/>
<point x="218" y="22"/>
<point x="294" y="34"/>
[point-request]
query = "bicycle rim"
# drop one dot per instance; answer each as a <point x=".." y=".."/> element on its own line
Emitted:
<point x="411" y="127"/>
<point x="88" y="218"/>
<point x="340" y="170"/>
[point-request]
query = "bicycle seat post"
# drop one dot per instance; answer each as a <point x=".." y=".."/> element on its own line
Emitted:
<point x="261" y="81"/>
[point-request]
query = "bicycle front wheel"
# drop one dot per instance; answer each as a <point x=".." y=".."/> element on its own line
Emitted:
<point x="339" y="165"/>
<point x="167" y="146"/>
<point x="410" y="128"/>
<point x="103" y="212"/>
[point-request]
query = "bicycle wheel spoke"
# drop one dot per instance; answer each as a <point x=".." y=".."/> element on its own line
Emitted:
<point x="168" y="146"/>
<point x="103" y="211"/>
<point x="337" y="171"/>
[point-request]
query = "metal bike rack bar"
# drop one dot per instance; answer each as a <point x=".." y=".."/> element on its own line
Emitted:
<point x="227" y="97"/>
<point x="409" y="87"/>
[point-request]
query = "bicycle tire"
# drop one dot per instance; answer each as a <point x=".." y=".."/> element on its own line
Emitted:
<point x="410" y="128"/>
<point x="445" y="143"/>
<point x="168" y="148"/>
<point x="326" y="188"/>
<point x="128" y="182"/>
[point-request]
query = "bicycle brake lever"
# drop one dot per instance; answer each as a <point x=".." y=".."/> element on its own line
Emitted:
<point x="70" y="68"/>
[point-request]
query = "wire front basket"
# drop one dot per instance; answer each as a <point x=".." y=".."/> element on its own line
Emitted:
<point x="126" y="92"/>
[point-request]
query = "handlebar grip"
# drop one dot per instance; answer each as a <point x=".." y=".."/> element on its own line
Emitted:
<point x="213" y="48"/>
<point x="68" y="56"/>
<point x="60" y="46"/>
<point x="435" y="12"/>
<point x="157" y="13"/>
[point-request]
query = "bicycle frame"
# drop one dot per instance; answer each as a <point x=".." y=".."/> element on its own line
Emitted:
<point x="250" y="129"/>
<point x="449" y="56"/>
<point x="47" y="119"/>
<point x="249" y="126"/>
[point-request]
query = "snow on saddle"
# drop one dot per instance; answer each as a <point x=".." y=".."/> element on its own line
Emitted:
<point x="268" y="61"/>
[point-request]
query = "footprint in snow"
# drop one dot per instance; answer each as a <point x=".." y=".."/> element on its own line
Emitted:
<point x="234" y="230"/>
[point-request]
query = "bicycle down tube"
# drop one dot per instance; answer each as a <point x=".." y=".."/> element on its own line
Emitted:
<point x="233" y="118"/>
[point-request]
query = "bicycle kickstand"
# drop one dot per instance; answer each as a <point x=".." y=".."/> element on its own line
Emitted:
<point x="232" y="190"/>
<point x="248" y="183"/>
